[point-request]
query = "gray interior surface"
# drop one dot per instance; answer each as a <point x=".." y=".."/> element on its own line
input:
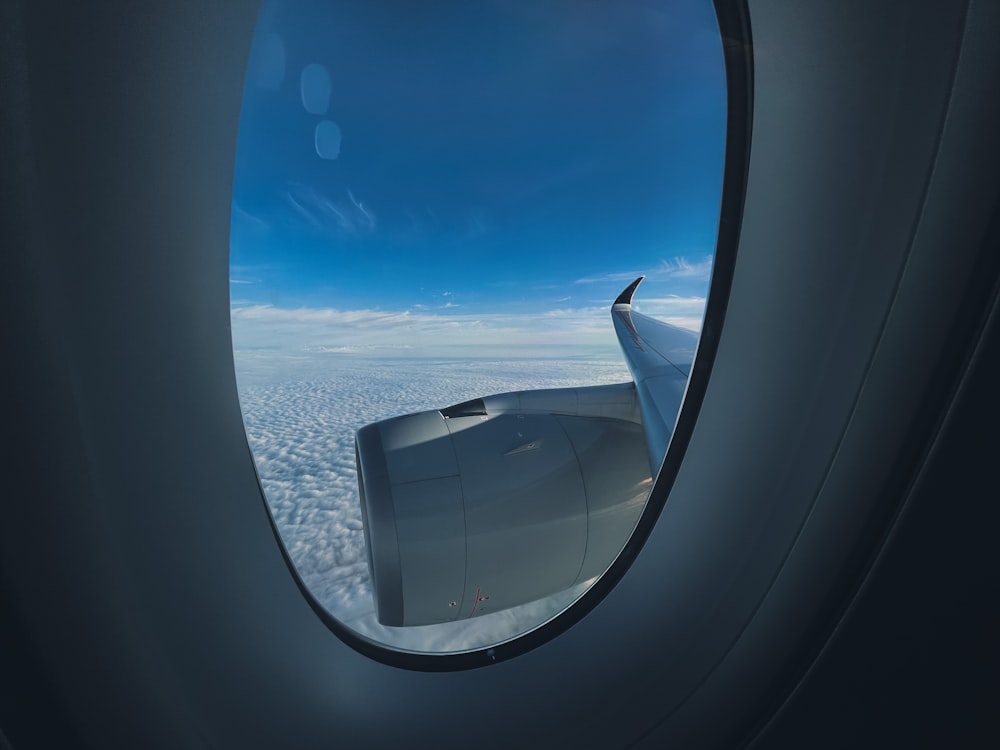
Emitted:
<point x="147" y="602"/>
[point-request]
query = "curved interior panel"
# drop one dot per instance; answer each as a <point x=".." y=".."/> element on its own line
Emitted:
<point x="823" y="573"/>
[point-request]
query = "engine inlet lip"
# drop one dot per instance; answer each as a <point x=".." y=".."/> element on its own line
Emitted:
<point x="379" y="522"/>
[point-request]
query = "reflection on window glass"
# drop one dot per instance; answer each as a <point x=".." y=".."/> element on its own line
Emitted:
<point x="434" y="207"/>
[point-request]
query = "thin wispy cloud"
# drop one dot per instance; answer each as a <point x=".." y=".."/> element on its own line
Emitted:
<point x="369" y="217"/>
<point x="672" y="268"/>
<point x="618" y="276"/>
<point x="300" y="209"/>
<point x="681" y="311"/>
<point x="671" y="304"/>
<point x="321" y="213"/>
<point x="246" y="221"/>
<point x="477" y="225"/>
<point x="684" y="268"/>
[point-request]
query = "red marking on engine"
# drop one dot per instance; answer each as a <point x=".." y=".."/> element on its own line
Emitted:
<point x="475" y="605"/>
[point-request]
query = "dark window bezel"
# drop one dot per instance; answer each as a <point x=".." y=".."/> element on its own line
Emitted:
<point x="734" y="28"/>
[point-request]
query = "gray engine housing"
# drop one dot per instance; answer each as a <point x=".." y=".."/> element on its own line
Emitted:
<point x="499" y="501"/>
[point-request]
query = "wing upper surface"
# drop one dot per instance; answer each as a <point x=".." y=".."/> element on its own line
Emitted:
<point x="659" y="356"/>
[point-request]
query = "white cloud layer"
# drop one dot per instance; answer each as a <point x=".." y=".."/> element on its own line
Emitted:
<point x="422" y="332"/>
<point x="301" y="412"/>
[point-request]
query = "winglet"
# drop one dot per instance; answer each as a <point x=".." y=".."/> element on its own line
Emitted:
<point x="625" y="298"/>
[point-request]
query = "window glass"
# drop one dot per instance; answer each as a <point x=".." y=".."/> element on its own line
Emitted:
<point x="435" y="203"/>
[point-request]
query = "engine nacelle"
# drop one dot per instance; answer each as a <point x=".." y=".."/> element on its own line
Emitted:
<point x="499" y="501"/>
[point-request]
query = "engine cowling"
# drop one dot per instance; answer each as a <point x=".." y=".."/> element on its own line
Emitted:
<point x="499" y="501"/>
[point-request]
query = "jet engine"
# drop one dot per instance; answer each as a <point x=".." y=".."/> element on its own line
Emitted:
<point x="499" y="501"/>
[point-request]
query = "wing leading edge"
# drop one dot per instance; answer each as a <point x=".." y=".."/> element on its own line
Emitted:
<point x="659" y="356"/>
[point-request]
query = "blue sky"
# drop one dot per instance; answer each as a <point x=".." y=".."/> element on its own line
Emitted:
<point x="482" y="171"/>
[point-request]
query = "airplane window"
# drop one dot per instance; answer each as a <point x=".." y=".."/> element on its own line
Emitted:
<point x="456" y="397"/>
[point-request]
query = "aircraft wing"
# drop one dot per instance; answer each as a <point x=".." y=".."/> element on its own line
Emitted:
<point x="659" y="356"/>
<point x="506" y="499"/>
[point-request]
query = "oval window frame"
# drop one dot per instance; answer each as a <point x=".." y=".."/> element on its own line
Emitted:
<point x="734" y="29"/>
